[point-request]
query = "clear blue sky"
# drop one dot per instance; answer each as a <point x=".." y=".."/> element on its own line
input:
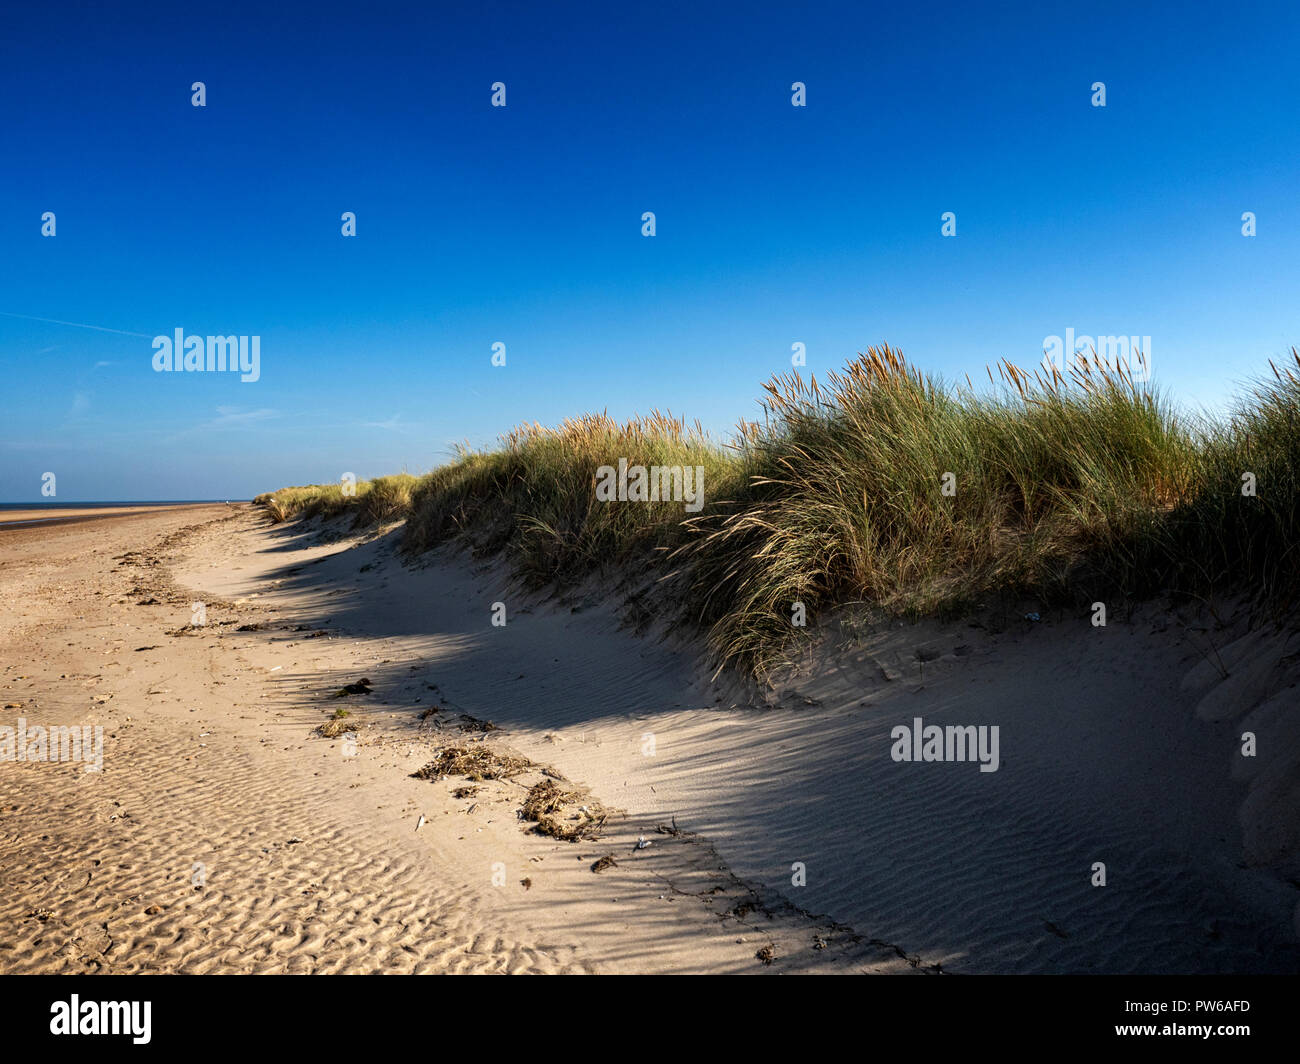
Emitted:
<point x="522" y="224"/>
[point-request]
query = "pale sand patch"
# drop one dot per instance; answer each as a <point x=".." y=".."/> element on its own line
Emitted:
<point x="224" y="835"/>
<point x="1103" y="757"/>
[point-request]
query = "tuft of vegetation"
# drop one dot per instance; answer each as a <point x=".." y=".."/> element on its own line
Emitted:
<point x="885" y="486"/>
<point x="534" y="497"/>
<point x="888" y="486"/>
<point x="374" y="502"/>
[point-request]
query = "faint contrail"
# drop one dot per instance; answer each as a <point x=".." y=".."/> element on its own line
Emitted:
<point x="74" y="324"/>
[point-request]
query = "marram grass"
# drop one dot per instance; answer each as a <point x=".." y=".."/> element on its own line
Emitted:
<point x="882" y="485"/>
<point x="377" y="501"/>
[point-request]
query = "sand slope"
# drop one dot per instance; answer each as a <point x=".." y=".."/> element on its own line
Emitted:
<point x="1104" y="757"/>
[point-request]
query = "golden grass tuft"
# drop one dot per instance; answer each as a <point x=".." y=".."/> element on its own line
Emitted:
<point x="380" y="501"/>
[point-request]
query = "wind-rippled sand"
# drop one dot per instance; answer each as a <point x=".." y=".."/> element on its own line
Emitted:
<point x="224" y="834"/>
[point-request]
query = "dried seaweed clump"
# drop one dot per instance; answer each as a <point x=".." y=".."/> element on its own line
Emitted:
<point x="476" y="762"/>
<point x="336" y="726"/>
<point x="546" y="806"/>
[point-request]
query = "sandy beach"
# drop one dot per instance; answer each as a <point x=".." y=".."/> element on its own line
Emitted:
<point x="747" y="833"/>
<point x="222" y="835"/>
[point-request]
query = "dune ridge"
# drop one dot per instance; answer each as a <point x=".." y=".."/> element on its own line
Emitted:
<point x="882" y="484"/>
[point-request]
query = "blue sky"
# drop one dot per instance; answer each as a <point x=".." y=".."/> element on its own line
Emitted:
<point x="522" y="224"/>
